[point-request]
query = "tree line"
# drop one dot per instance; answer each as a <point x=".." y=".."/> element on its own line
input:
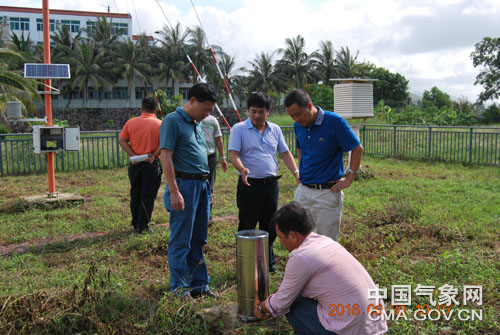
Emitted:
<point x="103" y="56"/>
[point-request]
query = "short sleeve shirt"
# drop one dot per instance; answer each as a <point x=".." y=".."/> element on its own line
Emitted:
<point x="142" y="133"/>
<point x="211" y="129"/>
<point x="258" y="151"/>
<point x="322" y="147"/>
<point x="182" y="135"/>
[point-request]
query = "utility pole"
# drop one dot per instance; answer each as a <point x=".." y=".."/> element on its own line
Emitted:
<point x="48" y="97"/>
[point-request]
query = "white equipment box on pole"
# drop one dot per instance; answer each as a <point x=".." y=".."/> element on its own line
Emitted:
<point x="55" y="139"/>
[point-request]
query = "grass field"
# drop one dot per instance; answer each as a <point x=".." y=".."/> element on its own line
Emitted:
<point x="79" y="269"/>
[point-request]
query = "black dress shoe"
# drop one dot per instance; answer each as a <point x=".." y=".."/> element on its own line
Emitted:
<point x="272" y="268"/>
<point x="206" y="293"/>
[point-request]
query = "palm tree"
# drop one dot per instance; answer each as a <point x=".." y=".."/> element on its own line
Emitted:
<point x="24" y="46"/>
<point x="64" y="43"/>
<point x="13" y="85"/>
<point x="132" y="63"/>
<point x="296" y="63"/>
<point x="103" y="34"/>
<point x="21" y="43"/>
<point x="263" y="75"/>
<point x="64" y="46"/>
<point x="324" y="62"/>
<point x="170" y="59"/>
<point x="196" y="49"/>
<point x="86" y="61"/>
<point x="227" y="65"/>
<point x="346" y="63"/>
<point x="106" y="41"/>
<point x="201" y="56"/>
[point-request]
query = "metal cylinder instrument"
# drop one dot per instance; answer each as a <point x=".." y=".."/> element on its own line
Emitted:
<point x="252" y="270"/>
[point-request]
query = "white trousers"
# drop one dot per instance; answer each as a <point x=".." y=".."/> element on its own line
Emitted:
<point x="325" y="208"/>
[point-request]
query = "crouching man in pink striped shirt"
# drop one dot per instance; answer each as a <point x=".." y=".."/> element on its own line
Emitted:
<point x="325" y="290"/>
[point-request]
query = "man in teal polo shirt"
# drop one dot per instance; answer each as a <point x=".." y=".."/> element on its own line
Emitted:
<point x="187" y="195"/>
<point x="322" y="138"/>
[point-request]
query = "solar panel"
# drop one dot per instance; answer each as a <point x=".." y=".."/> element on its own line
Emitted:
<point x="46" y="71"/>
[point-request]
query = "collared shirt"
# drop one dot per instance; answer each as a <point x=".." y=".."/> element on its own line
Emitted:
<point x="323" y="270"/>
<point x="257" y="151"/>
<point x="322" y="147"/>
<point x="211" y="129"/>
<point x="180" y="134"/>
<point x="142" y="133"/>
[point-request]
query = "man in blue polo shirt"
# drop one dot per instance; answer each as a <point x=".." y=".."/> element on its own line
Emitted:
<point x="252" y="148"/>
<point x="322" y="138"/>
<point x="187" y="195"/>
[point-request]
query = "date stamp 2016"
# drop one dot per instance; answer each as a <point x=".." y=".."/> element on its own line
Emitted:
<point x="353" y="310"/>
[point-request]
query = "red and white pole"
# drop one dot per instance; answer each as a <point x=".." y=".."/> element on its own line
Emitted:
<point x="225" y="85"/>
<point x="199" y="79"/>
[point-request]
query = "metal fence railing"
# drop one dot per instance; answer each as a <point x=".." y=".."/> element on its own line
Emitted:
<point x="477" y="145"/>
<point x="100" y="149"/>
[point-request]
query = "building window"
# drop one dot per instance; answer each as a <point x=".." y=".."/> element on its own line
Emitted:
<point x="74" y="95"/>
<point x="100" y="94"/>
<point x="141" y="92"/>
<point x="40" y="44"/>
<point x="120" y="28"/>
<point x="120" y="93"/>
<point x="93" y="93"/>
<point x="19" y="23"/>
<point x="168" y="91"/>
<point x="73" y="26"/>
<point x="184" y="92"/>
<point x="39" y="25"/>
<point x="91" y="27"/>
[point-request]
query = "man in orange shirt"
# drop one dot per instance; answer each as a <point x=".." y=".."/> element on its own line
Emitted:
<point x="141" y="136"/>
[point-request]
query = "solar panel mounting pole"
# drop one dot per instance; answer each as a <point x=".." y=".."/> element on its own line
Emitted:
<point x="48" y="97"/>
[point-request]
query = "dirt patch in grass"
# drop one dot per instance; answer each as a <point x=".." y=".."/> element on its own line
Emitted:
<point x="47" y="243"/>
<point x="32" y="245"/>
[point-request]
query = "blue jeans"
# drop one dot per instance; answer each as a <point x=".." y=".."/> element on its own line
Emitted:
<point x="188" y="235"/>
<point x="303" y="317"/>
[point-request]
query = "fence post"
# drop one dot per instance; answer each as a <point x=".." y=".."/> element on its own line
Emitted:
<point x="118" y="163"/>
<point x="394" y="142"/>
<point x="429" y="149"/>
<point x="364" y="131"/>
<point x="470" y="145"/>
<point x="1" y="157"/>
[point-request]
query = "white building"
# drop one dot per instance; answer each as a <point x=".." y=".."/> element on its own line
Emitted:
<point x="29" y="20"/>
<point x="24" y="20"/>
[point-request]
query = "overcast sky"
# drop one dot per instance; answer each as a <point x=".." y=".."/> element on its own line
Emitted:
<point x="427" y="41"/>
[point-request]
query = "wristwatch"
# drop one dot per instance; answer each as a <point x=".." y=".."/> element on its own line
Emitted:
<point x="352" y="171"/>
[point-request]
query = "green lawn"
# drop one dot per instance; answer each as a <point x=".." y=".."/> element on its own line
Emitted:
<point x="407" y="222"/>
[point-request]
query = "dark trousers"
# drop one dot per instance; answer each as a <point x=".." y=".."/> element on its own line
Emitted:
<point x="303" y="317"/>
<point x="212" y="165"/>
<point x="258" y="203"/>
<point x="145" y="179"/>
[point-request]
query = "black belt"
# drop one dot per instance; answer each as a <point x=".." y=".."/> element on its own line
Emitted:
<point x="193" y="176"/>
<point x="321" y="186"/>
<point x="263" y="180"/>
